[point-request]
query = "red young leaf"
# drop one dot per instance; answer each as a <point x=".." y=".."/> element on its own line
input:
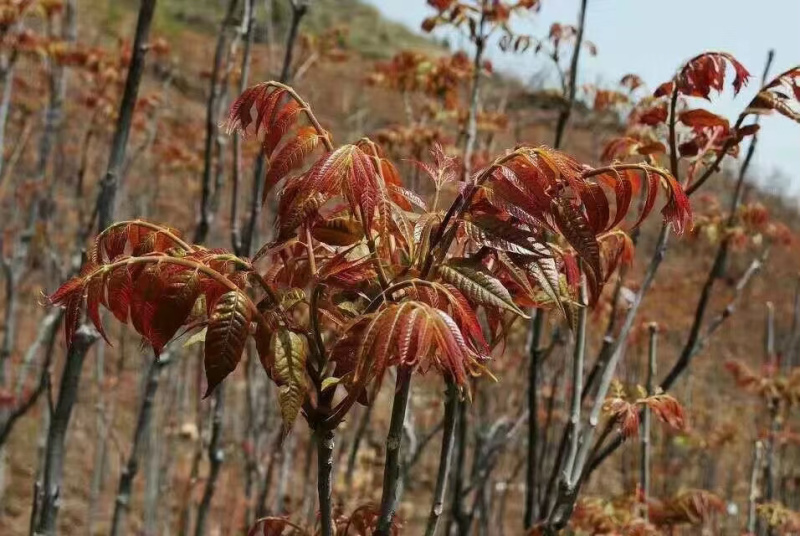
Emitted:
<point x="290" y="157"/>
<point x="668" y="410"/>
<point x="179" y="294"/>
<point x="706" y="72"/>
<point x="120" y="288"/>
<point x="284" y="119"/>
<point x="95" y="296"/>
<point x="148" y="287"/>
<point x="703" y="119"/>
<point x="341" y="231"/>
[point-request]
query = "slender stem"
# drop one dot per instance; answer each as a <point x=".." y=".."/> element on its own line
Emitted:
<point x="211" y="127"/>
<point x="56" y="435"/>
<point x="532" y="473"/>
<point x="647" y="418"/>
<point x="106" y="201"/>
<point x="315" y="328"/>
<point x="242" y="244"/>
<point x="45" y="337"/>
<point x="352" y="457"/>
<point x="769" y="336"/>
<point x="312" y="259"/>
<point x="616" y="351"/>
<point x="474" y="100"/>
<point x="692" y="188"/>
<point x="123" y="499"/>
<point x="216" y="455"/>
<point x="754" y="268"/>
<point x="391" y="472"/>
<point x="571" y="455"/>
<point x="324" y="476"/>
<point x="382" y="279"/>
<point x="622" y="167"/>
<point x="17" y="152"/>
<point x="445" y="457"/>
<point x="720" y="260"/>
<point x="773" y="408"/>
<point x="373" y="251"/>
<point x="457" y="514"/>
<point x="299" y="9"/>
<point x="566" y="111"/>
<point x="7" y="80"/>
<point x="673" y="144"/>
<point x="578" y="359"/>
<point x="544" y="450"/>
<point x="758" y="452"/>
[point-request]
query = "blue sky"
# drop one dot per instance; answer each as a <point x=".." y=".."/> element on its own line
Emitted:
<point x="652" y="38"/>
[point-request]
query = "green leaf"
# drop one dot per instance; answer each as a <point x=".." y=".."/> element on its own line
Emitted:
<point x="292" y="297"/>
<point x="289" y="352"/>
<point x="327" y="383"/>
<point x="478" y="285"/>
<point x="197" y="338"/>
<point x="545" y="271"/>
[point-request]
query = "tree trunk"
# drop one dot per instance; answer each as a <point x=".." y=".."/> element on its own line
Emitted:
<point x="324" y="476"/>
<point x="391" y="472"/>
<point x="647" y="418"/>
<point x="122" y="502"/>
<point x="106" y="202"/>
<point x="216" y="456"/>
<point x="474" y="99"/>
<point x="55" y="451"/>
<point x="532" y="474"/>
<point x="563" y="117"/>
<point x="445" y="457"/>
<point x="212" y="120"/>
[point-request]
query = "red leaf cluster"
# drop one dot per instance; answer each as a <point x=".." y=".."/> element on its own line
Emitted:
<point x="704" y="73"/>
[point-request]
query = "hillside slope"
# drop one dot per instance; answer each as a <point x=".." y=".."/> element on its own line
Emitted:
<point x="370" y="33"/>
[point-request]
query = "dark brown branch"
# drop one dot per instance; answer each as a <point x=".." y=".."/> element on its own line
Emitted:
<point x="324" y="477"/>
<point x="758" y="451"/>
<point x="647" y="418"/>
<point x="445" y="457"/>
<point x="360" y="432"/>
<point x="299" y="10"/>
<point x="391" y="474"/>
<point x="566" y="111"/>
<point x="720" y="261"/>
<point x="106" y="201"/>
<point x="212" y="128"/>
<point x="755" y="267"/>
<point x="538" y="324"/>
<point x="46" y="337"/>
<point x="242" y="245"/>
<point x="532" y="473"/>
<point x="474" y="100"/>
<point x="216" y="455"/>
<point x="122" y="502"/>
<point x="55" y="452"/>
